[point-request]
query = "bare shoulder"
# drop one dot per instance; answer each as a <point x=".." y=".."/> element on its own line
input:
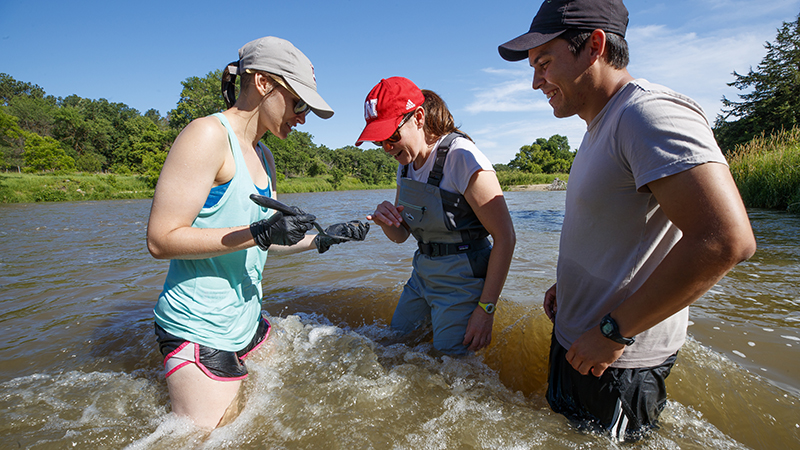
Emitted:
<point x="204" y="131"/>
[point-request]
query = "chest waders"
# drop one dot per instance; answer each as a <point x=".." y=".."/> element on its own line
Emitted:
<point x="450" y="262"/>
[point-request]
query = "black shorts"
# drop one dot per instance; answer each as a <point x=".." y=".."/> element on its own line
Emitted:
<point x="624" y="402"/>
<point x="217" y="364"/>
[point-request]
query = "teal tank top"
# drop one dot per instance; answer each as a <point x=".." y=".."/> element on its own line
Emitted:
<point x="216" y="301"/>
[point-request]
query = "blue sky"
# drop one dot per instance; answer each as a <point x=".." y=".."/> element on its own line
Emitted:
<point x="138" y="53"/>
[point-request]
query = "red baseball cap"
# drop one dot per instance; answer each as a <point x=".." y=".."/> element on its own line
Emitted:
<point x="385" y="106"/>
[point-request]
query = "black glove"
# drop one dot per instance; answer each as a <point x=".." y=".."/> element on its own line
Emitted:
<point x="350" y="231"/>
<point x="282" y="230"/>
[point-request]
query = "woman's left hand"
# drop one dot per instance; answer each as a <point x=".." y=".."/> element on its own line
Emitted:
<point x="479" y="330"/>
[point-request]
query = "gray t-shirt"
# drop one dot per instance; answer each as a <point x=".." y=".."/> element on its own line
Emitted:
<point x="615" y="233"/>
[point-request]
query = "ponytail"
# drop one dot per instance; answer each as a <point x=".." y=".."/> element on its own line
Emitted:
<point x="438" y="119"/>
<point x="229" y="83"/>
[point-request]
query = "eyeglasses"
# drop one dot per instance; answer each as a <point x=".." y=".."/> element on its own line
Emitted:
<point x="394" y="138"/>
<point x="300" y="106"/>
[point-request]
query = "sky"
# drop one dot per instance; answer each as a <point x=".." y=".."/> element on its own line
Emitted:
<point x="138" y="53"/>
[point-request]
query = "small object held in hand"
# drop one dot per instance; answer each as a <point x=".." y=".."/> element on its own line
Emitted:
<point x="281" y="229"/>
<point x="271" y="203"/>
<point x="341" y="232"/>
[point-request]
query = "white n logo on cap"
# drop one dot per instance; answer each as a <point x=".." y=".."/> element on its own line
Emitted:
<point x="371" y="108"/>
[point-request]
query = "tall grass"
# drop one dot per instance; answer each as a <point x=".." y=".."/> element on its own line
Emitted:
<point x="767" y="171"/>
<point x="510" y="178"/>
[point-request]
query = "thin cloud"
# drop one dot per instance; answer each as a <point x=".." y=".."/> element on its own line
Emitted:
<point x="511" y="92"/>
<point x="697" y="66"/>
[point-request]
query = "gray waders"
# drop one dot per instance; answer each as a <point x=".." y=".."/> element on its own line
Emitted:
<point x="450" y="263"/>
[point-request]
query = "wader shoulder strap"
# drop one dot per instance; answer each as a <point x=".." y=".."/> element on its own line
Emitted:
<point x="435" y="177"/>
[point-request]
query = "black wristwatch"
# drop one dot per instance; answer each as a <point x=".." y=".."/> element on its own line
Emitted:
<point x="610" y="329"/>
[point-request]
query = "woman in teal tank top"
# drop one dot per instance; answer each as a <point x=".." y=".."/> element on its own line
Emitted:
<point x="208" y="317"/>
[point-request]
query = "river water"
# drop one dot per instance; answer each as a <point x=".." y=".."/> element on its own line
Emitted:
<point x="79" y="366"/>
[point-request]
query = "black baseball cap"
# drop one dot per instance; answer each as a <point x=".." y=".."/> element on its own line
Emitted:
<point x="557" y="16"/>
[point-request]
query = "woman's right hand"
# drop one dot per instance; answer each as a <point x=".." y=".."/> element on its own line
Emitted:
<point x="386" y="214"/>
<point x="281" y="230"/>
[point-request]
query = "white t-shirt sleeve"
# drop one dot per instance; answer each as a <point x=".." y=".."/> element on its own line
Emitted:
<point x="463" y="160"/>
<point x="665" y="133"/>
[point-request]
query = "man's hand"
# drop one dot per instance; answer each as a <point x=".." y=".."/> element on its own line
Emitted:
<point x="550" y="305"/>
<point x="593" y="353"/>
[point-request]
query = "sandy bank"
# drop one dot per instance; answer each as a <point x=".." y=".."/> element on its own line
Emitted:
<point x="530" y="187"/>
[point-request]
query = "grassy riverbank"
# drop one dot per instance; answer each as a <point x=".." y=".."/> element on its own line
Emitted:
<point x="25" y="188"/>
<point x="28" y="188"/>
<point x="510" y="178"/>
<point x="767" y="171"/>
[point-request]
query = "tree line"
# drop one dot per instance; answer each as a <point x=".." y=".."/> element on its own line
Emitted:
<point x="43" y="133"/>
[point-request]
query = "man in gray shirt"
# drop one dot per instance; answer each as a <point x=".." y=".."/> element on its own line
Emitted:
<point x="653" y="219"/>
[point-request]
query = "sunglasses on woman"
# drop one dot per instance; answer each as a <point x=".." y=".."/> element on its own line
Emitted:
<point x="300" y="106"/>
<point x="395" y="137"/>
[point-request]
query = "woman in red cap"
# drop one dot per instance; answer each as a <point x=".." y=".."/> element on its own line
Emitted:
<point x="208" y="316"/>
<point x="449" y="199"/>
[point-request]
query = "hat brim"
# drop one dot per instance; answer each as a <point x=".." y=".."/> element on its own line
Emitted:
<point x="517" y="48"/>
<point x="379" y="130"/>
<point x="312" y="98"/>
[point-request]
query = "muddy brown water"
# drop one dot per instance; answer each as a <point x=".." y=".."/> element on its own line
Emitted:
<point x="79" y="367"/>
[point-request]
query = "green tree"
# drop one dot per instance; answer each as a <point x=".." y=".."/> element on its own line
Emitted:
<point x="34" y="114"/>
<point x="375" y="166"/>
<point x="11" y="88"/>
<point x="12" y="141"/>
<point x="295" y="155"/>
<point x="155" y="116"/>
<point x="346" y="159"/>
<point x="773" y="104"/>
<point x="96" y="128"/>
<point x="88" y="138"/>
<point x="143" y="145"/>
<point x="200" y="97"/>
<point x="544" y="156"/>
<point x="45" y="154"/>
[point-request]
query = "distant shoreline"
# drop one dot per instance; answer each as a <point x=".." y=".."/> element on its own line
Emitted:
<point x="529" y="187"/>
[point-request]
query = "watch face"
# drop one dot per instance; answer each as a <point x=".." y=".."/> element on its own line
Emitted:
<point x="607" y="328"/>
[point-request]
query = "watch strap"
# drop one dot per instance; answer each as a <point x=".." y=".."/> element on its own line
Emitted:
<point x="610" y="329"/>
<point x="490" y="308"/>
